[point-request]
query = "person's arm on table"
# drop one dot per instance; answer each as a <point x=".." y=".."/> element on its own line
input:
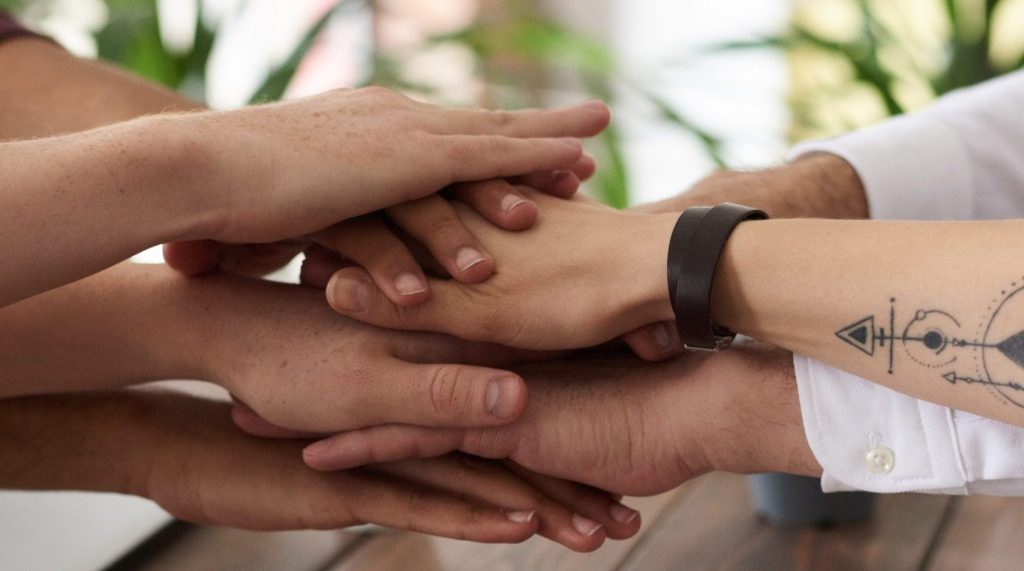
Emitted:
<point x="183" y="453"/>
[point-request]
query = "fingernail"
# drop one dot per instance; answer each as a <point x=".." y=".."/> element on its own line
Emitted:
<point x="584" y="526"/>
<point x="622" y="514"/>
<point x="409" y="284"/>
<point x="511" y="201"/>
<point x="314" y="449"/>
<point x="466" y="258"/>
<point x="347" y="294"/>
<point x="662" y="337"/>
<point x="520" y="516"/>
<point x="502" y="397"/>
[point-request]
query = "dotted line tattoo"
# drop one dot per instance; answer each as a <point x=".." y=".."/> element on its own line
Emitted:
<point x="933" y="338"/>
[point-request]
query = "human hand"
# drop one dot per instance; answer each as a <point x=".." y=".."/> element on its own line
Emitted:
<point x="583" y="275"/>
<point x="371" y="242"/>
<point x="283" y="352"/>
<point x="624" y="426"/>
<point x="293" y="168"/>
<point x="184" y="453"/>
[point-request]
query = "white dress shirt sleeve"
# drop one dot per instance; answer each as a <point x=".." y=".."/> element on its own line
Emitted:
<point x="962" y="158"/>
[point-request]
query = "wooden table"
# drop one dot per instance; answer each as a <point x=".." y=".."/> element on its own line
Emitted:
<point x="706" y="524"/>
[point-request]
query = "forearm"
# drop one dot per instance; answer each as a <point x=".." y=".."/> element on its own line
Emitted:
<point x="929" y="309"/>
<point x="75" y="204"/>
<point x="814" y="186"/>
<point x="130" y="324"/>
<point x="47" y="91"/>
<point x="99" y="442"/>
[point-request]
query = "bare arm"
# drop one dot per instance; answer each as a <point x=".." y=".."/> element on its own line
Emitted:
<point x="73" y="94"/>
<point x="183" y="453"/>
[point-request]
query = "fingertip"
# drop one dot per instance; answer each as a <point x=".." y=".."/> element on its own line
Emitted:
<point x="506" y="398"/>
<point x="585" y="167"/>
<point x="517" y="212"/>
<point x="565" y="184"/>
<point x="625" y="521"/>
<point x="319" y="456"/>
<point x="408" y="288"/>
<point x="472" y="265"/>
<point x="192" y="258"/>
<point x="348" y="291"/>
<point x="526" y="524"/>
<point x="654" y="342"/>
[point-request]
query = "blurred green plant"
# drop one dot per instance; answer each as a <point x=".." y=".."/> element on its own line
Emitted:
<point x="884" y="52"/>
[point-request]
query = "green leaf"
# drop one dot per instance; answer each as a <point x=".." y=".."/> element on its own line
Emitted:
<point x="277" y="82"/>
<point x="538" y="40"/>
<point x="132" y="38"/>
<point x="712" y="144"/>
<point x="611" y="179"/>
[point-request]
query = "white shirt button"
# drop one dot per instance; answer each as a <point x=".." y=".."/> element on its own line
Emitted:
<point x="880" y="460"/>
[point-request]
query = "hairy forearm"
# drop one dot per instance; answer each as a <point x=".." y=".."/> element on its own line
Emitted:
<point x="814" y="186"/>
<point x="47" y="91"/>
<point x="931" y="309"/>
<point x="130" y="324"/>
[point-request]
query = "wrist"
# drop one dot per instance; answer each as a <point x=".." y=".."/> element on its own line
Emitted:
<point x="817" y="185"/>
<point x="173" y="162"/>
<point x="179" y="328"/>
<point x="113" y="446"/>
<point x="644" y="269"/>
<point x="764" y="430"/>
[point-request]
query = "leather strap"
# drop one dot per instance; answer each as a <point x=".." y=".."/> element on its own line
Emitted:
<point x="693" y="253"/>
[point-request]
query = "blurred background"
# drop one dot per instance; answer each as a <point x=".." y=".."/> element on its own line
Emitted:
<point x="694" y="85"/>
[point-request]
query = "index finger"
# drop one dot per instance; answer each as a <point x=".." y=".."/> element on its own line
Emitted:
<point x="580" y="120"/>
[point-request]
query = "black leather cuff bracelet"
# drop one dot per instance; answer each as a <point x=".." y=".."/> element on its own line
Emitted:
<point x="693" y="253"/>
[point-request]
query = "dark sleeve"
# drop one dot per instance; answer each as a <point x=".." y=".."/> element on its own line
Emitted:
<point x="10" y="28"/>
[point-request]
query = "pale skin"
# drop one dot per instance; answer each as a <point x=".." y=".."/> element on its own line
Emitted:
<point x="259" y="174"/>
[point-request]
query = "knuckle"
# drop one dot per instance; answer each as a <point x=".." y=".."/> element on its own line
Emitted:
<point x="501" y="118"/>
<point x="444" y="225"/>
<point x="472" y="464"/>
<point x="461" y="151"/>
<point x="376" y="91"/>
<point x="419" y="501"/>
<point x="445" y="397"/>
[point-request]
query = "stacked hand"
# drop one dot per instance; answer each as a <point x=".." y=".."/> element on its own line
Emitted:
<point x="618" y="424"/>
<point x="344" y="154"/>
<point x="583" y="275"/>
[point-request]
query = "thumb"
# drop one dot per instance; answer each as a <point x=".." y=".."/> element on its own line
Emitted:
<point x="654" y="341"/>
<point x="193" y="257"/>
